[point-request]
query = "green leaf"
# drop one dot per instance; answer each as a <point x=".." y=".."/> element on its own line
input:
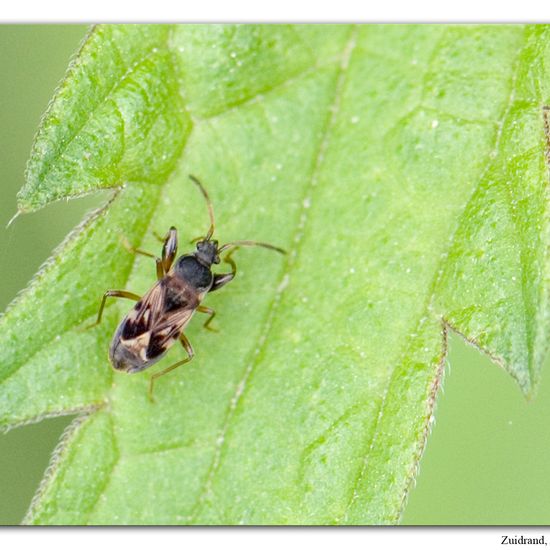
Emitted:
<point x="404" y="169"/>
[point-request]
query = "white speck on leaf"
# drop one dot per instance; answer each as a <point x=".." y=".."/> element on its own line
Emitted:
<point x="284" y="283"/>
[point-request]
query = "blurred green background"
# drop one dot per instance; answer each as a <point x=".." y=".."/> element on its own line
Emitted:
<point x="488" y="458"/>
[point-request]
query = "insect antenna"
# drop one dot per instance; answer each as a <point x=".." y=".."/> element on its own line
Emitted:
<point x="208" y="204"/>
<point x="250" y="243"/>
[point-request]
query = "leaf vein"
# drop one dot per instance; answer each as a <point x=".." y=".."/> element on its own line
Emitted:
<point x="236" y="400"/>
<point x="107" y="97"/>
<point x="259" y="96"/>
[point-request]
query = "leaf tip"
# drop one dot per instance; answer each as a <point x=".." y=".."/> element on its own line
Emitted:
<point x="14" y="217"/>
<point x="25" y="203"/>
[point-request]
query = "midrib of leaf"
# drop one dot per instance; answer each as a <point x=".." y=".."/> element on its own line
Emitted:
<point x="292" y="255"/>
<point x="491" y="155"/>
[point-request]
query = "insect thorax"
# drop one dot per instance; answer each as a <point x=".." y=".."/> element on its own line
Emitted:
<point x="195" y="274"/>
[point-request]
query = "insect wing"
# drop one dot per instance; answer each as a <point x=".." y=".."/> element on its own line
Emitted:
<point x="145" y="314"/>
<point x="167" y="331"/>
<point x="148" y="331"/>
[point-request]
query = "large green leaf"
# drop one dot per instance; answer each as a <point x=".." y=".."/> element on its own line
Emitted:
<point x="403" y="167"/>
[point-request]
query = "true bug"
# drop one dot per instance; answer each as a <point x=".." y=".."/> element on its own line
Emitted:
<point x="159" y="317"/>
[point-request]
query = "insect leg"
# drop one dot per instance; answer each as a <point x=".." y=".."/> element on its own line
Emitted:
<point x="113" y="294"/>
<point x="221" y="279"/>
<point x="211" y="314"/>
<point x="169" y="249"/>
<point x="159" y="237"/>
<point x="134" y="250"/>
<point x="190" y="353"/>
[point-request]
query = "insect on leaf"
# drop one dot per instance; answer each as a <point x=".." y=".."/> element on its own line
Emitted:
<point x="402" y="167"/>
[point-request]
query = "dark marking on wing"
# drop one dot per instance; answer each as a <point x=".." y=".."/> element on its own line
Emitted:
<point x="144" y="314"/>
<point x="168" y="332"/>
<point x="159" y="343"/>
<point x="134" y="328"/>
